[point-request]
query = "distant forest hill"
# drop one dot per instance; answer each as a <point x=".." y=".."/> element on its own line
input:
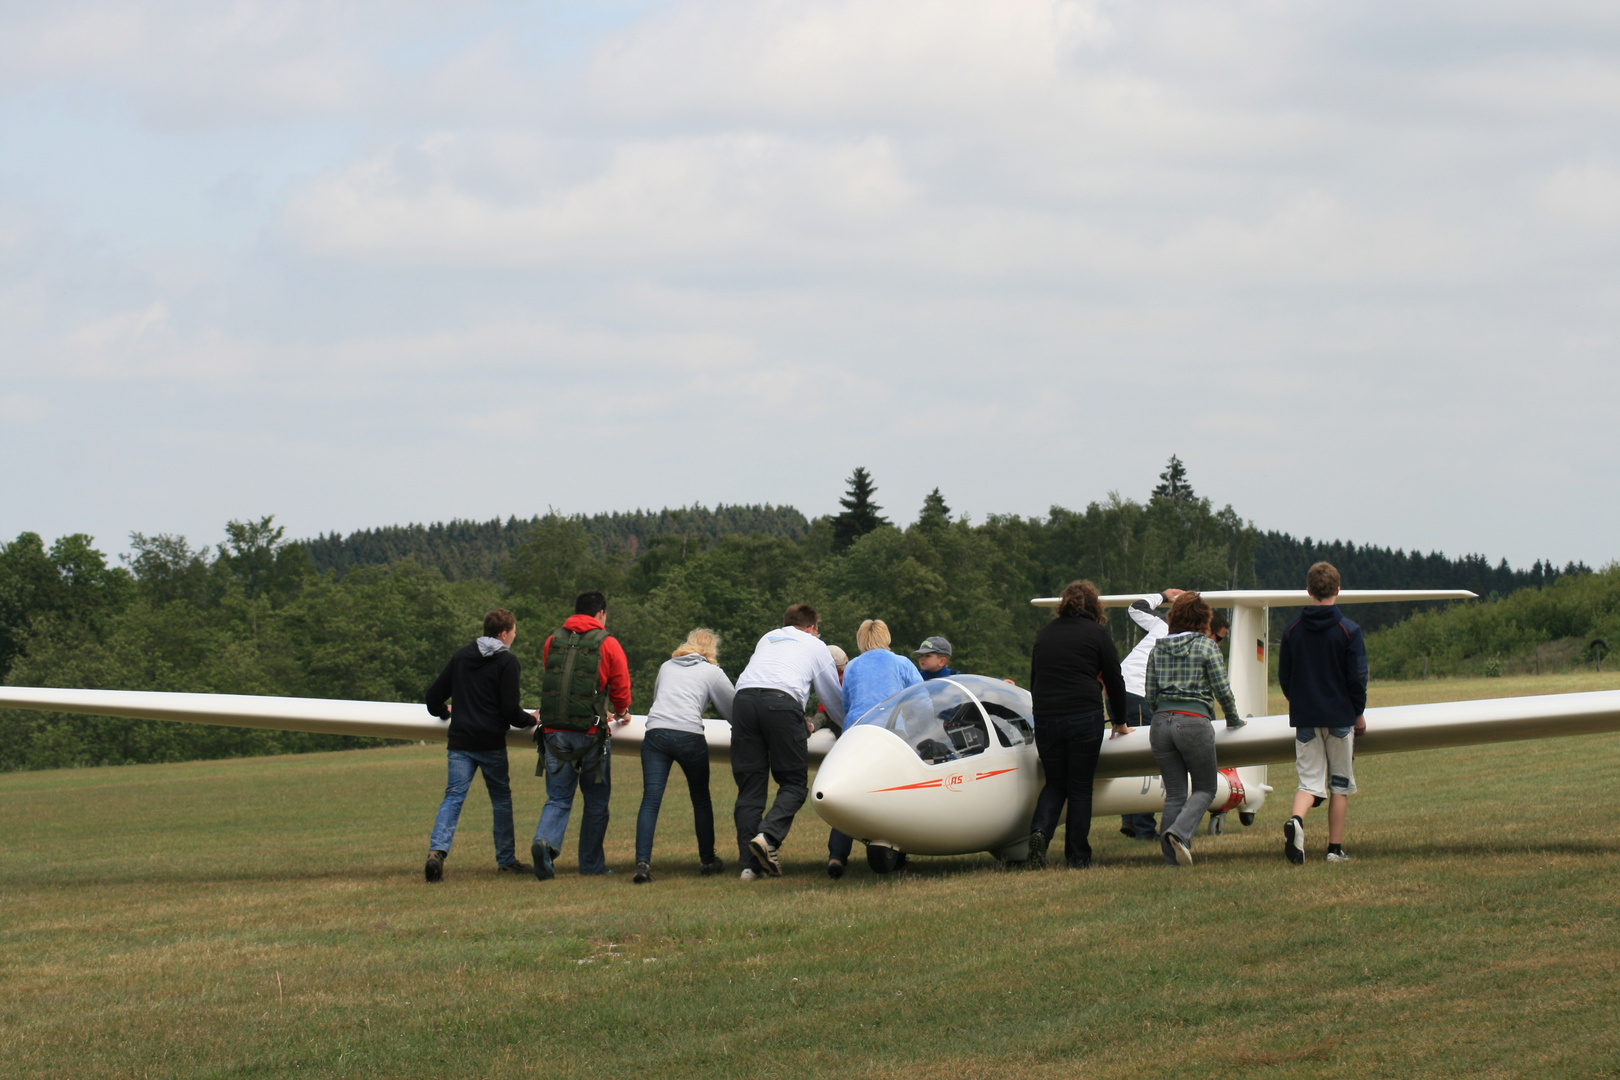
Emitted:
<point x="473" y="550"/>
<point x="477" y="550"/>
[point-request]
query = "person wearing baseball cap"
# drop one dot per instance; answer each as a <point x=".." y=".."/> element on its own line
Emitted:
<point x="934" y="658"/>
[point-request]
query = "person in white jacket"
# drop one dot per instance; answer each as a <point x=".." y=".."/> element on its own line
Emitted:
<point x="769" y="733"/>
<point x="1134" y="671"/>
<point x="689" y="682"/>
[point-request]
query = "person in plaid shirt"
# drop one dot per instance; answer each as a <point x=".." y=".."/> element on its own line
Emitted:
<point x="1185" y="677"/>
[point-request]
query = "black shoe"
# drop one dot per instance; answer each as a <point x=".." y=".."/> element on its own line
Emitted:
<point x="1127" y="832"/>
<point x="1182" y="852"/>
<point x="434" y="870"/>
<point x="835" y="868"/>
<point x="542" y="854"/>
<point x="513" y="867"/>
<point x="765" y="852"/>
<point x="1294" y="841"/>
<point x="1037" y="851"/>
<point x="643" y="874"/>
<point x="711" y="867"/>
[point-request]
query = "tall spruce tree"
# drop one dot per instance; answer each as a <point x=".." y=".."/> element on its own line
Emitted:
<point x="1173" y="482"/>
<point x="860" y="514"/>
<point x="935" y="514"/>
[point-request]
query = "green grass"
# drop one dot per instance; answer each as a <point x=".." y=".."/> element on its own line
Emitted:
<point x="148" y="912"/>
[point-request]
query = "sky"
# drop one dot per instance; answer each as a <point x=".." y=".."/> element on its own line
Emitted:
<point x="352" y="265"/>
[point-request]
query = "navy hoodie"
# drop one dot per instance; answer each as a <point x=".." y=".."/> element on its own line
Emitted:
<point x="485" y="692"/>
<point x="1322" y="669"/>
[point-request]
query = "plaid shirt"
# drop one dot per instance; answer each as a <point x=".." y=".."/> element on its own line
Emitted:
<point x="1190" y="671"/>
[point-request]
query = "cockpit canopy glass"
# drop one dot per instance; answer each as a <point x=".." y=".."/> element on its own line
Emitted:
<point x="938" y="719"/>
<point x="1010" y="709"/>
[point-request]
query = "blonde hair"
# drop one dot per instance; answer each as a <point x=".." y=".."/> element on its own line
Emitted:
<point x="703" y="642"/>
<point x="873" y="634"/>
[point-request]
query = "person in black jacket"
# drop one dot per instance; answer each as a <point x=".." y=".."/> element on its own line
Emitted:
<point x="481" y="682"/>
<point x="1072" y="654"/>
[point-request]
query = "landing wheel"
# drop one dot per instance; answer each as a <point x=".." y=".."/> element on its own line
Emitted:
<point x="884" y="860"/>
<point x="1247" y="817"/>
<point x="1217" y="824"/>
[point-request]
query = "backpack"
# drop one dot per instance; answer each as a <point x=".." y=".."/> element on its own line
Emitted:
<point x="571" y="701"/>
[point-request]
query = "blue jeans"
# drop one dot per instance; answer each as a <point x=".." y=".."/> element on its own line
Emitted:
<point x="462" y="765"/>
<point x="1140" y="826"/>
<point x="839" y="846"/>
<point x="561" y="779"/>
<point x="661" y="749"/>
<point x="1068" y="747"/>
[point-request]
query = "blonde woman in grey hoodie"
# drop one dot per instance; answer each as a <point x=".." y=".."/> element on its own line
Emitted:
<point x="689" y="682"/>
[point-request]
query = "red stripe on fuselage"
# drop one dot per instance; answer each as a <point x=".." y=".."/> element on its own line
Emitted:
<point x="909" y="787"/>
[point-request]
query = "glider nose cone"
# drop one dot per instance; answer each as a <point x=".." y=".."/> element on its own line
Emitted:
<point x="846" y="789"/>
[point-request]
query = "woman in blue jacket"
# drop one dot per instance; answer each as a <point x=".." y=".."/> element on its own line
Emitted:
<point x="871" y="677"/>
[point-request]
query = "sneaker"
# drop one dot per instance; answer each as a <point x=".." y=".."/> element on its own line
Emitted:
<point x="765" y="852"/>
<point x="750" y="875"/>
<point x="643" y="874"/>
<point x="835" y="868"/>
<point x="513" y="867"/>
<point x="1182" y="852"/>
<point x="1294" y="841"/>
<point x="542" y="854"/>
<point x="712" y="867"/>
<point x="1338" y="856"/>
<point x="1037" y="851"/>
<point x="434" y="870"/>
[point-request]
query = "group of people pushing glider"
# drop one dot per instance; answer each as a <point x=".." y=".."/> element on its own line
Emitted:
<point x="1170" y="681"/>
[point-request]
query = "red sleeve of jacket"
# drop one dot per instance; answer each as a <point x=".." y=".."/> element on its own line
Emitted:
<point x="613" y="674"/>
<point x="545" y="652"/>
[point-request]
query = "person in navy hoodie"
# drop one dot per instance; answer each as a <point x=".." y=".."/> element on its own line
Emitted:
<point x="1322" y="669"/>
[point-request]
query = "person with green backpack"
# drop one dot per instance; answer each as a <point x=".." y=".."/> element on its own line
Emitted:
<point x="585" y="691"/>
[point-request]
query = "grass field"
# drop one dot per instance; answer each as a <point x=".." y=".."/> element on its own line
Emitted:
<point x="267" y="917"/>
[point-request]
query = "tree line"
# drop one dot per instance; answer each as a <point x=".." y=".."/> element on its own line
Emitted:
<point x="261" y="614"/>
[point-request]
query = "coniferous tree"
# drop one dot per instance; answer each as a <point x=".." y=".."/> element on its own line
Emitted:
<point x="935" y="514"/>
<point x="1173" y="482"/>
<point x="860" y="514"/>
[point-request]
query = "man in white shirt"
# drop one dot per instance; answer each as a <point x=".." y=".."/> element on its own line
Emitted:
<point x="769" y="736"/>
<point x="1133" y="669"/>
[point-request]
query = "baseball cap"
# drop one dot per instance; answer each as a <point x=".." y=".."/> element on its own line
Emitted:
<point x="933" y="644"/>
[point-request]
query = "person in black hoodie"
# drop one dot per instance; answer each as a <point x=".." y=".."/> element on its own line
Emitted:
<point x="481" y="682"/>
<point x="1322" y="669"/>
<point x="1074" y="661"/>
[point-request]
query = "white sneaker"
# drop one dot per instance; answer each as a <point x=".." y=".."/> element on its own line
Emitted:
<point x="1182" y="852"/>
<point x="765" y="852"/>
<point x="1338" y="856"/>
<point x="749" y="875"/>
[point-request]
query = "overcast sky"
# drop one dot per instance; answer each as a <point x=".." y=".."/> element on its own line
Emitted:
<point x="368" y="263"/>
